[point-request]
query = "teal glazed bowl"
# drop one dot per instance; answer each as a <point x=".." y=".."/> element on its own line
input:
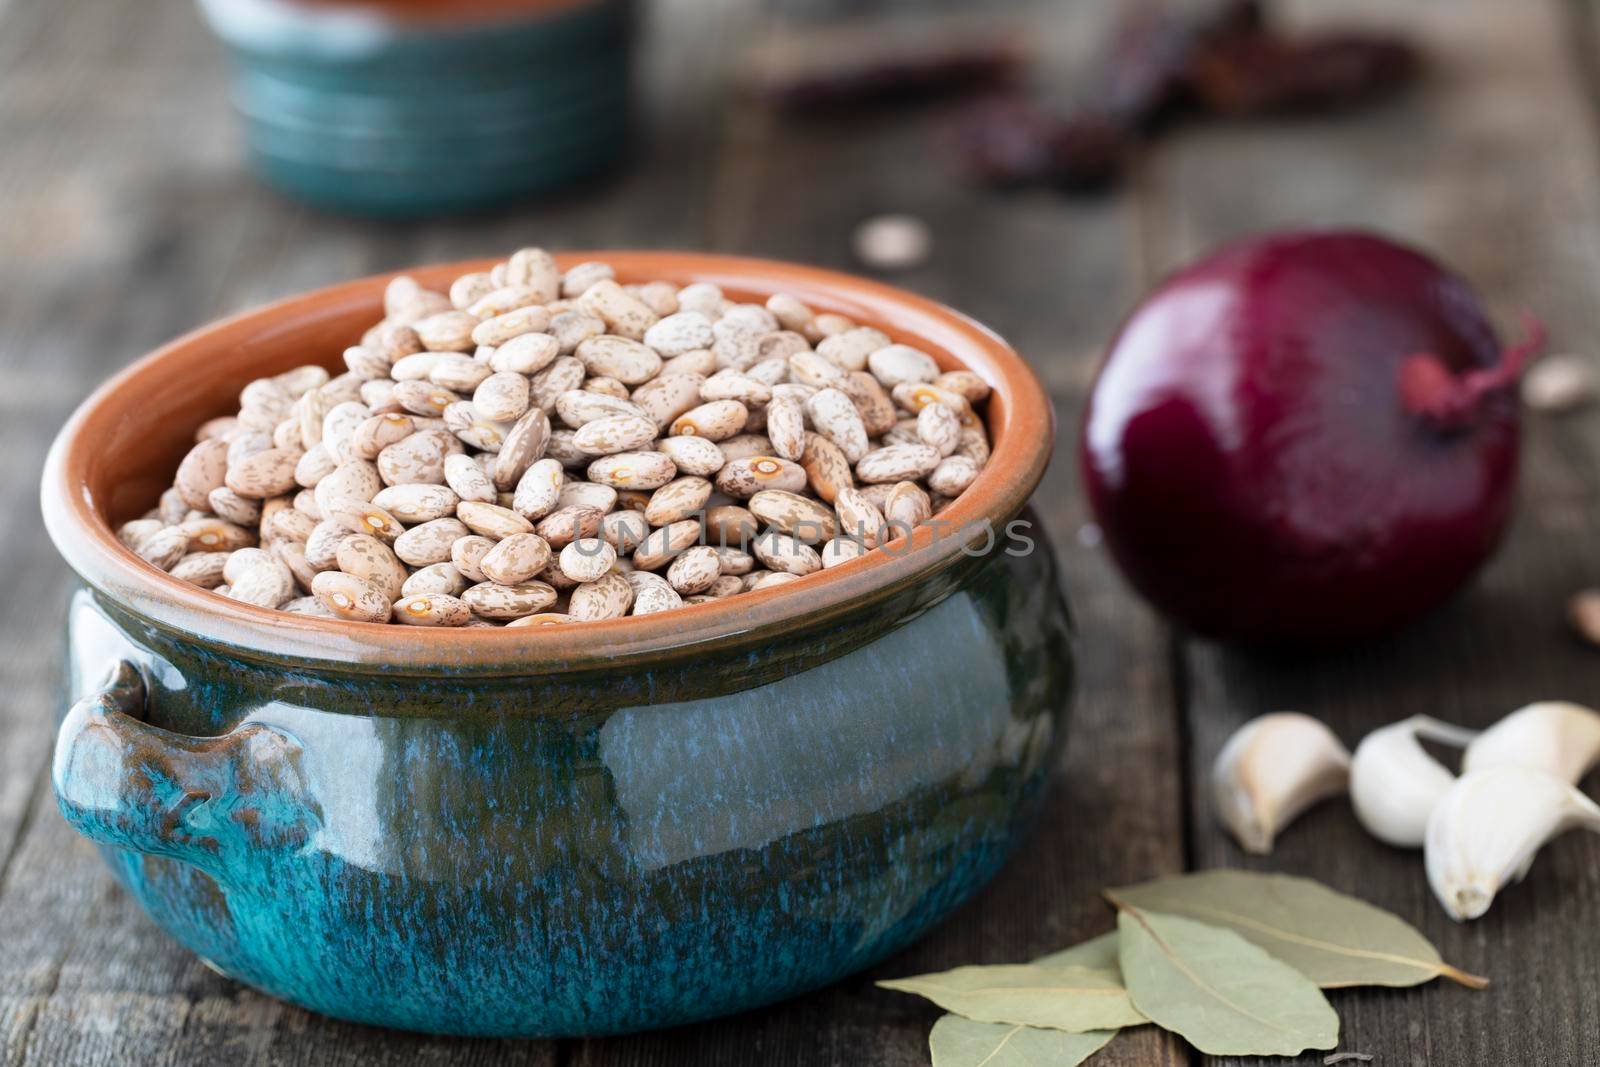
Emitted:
<point x="563" y="830"/>
<point x="413" y="110"/>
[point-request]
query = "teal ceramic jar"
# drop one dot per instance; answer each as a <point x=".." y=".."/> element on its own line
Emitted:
<point x="588" y="828"/>
<point x="381" y="110"/>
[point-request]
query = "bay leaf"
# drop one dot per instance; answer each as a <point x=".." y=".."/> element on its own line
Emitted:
<point x="1333" y="939"/>
<point x="958" y="1042"/>
<point x="1099" y="953"/>
<point x="1078" y="999"/>
<point x="1222" y="994"/>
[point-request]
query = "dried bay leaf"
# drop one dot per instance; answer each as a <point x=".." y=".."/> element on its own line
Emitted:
<point x="1221" y="993"/>
<point x="1099" y="953"/>
<point x="958" y="1042"/>
<point x="1078" y="999"/>
<point x="1333" y="939"/>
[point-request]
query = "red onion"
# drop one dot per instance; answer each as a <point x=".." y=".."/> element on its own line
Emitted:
<point x="1304" y="437"/>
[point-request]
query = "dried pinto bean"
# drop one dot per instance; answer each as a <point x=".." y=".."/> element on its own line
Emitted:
<point x="694" y="436"/>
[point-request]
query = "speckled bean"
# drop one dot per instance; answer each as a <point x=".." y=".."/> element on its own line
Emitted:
<point x="516" y="558"/>
<point x="608" y="597"/>
<point x="431" y="609"/>
<point x="430" y="542"/>
<point x="743" y="478"/>
<point x="895" y="463"/>
<point x="784" y="553"/>
<point x="694" y="570"/>
<point x="539" y="489"/>
<point x="835" y="417"/>
<point x="633" y="470"/>
<point x="370" y="559"/>
<point x="895" y="364"/>
<point x="715" y="421"/>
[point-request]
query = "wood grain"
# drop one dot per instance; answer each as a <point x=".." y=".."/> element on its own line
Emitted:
<point x="128" y="219"/>
<point x="1051" y="276"/>
<point x="1491" y="165"/>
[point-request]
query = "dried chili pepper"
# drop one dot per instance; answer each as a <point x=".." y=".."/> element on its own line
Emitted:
<point x="1223" y="58"/>
<point x="1146" y="76"/>
<point x="1013" y="141"/>
<point x="849" y="83"/>
<point x="1265" y="74"/>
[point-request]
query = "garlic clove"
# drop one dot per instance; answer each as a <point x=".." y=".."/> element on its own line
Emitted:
<point x="1552" y="735"/>
<point x="1487" y="828"/>
<point x="1583" y="612"/>
<point x="1273" y="768"/>
<point x="1394" y="783"/>
<point x="1559" y="383"/>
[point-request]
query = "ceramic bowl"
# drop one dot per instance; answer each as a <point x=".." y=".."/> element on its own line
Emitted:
<point x="425" y="109"/>
<point x="564" y="830"/>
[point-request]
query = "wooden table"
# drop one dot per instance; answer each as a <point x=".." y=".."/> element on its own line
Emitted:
<point x="126" y="217"/>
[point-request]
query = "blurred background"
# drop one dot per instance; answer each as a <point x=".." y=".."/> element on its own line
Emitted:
<point x="1037" y="165"/>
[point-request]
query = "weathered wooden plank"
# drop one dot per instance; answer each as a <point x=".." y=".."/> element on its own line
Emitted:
<point x="162" y="231"/>
<point x="1492" y="165"/>
<point x="1050" y="275"/>
<point x="90" y="980"/>
<point x="76" y="295"/>
<point x="129" y="220"/>
<point x="168" y="233"/>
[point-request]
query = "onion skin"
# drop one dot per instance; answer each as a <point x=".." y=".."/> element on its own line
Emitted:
<point x="1303" y="438"/>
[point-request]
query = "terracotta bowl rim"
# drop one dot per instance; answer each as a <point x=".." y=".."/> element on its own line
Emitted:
<point x="1021" y="424"/>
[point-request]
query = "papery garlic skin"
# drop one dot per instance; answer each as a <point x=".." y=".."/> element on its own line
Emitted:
<point x="1487" y="828"/>
<point x="1273" y="768"/>
<point x="1553" y="735"/>
<point x="1395" y="784"/>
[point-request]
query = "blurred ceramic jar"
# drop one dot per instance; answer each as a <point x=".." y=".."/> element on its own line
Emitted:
<point x="420" y="107"/>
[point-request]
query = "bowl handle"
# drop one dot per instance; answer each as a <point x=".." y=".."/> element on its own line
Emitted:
<point x="219" y="803"/>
